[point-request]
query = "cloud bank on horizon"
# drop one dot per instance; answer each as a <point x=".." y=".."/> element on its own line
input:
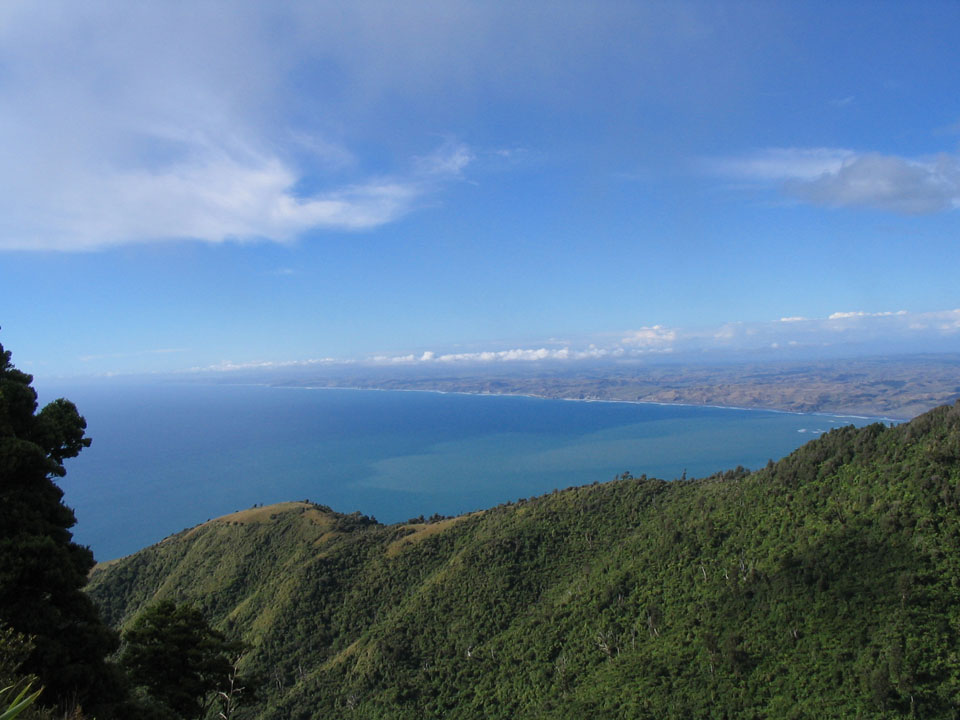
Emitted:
<point x="843" y="331"/>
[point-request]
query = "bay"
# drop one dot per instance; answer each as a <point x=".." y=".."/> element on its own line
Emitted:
<point x="166" y="457"/>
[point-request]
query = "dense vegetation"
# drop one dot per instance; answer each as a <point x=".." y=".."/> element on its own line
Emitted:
<point x="823" y="585"/>
<point x="48" y="627"/>
<point x="177" y="664"/>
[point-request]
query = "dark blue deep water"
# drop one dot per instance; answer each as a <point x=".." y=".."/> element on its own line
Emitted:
<point x="166" y="457"/>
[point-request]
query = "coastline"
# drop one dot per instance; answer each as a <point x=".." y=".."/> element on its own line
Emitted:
<point x="837" y="414"/>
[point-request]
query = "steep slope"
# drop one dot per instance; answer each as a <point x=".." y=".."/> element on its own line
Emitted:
<point x="823" y="585"/>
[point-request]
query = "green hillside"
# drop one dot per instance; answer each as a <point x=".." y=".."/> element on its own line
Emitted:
<point x="825" y="585"/>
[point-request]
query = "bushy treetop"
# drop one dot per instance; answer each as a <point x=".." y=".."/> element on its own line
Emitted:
<point x="42" y="570"/>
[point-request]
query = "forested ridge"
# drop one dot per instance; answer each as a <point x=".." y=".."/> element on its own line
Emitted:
<point x="824" y="585"/>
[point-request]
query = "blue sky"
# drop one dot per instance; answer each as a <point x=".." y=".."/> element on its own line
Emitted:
<point x="193" y="185"/>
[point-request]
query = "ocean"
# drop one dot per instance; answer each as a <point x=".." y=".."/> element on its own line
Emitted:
<point x="167" y="457"/>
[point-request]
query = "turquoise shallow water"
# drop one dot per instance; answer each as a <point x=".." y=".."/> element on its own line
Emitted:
<point x="168" y="457"/>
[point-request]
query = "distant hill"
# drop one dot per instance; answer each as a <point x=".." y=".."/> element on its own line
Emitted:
<point x="895" y="386"/>
<point x="824" y="585"/>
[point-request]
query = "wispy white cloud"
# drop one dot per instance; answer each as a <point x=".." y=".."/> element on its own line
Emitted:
<point x="447" y="161"/>
<point x="512" y="355"/>
<point x="231" y="366"/>
<point x="112" y="134"/>
<point x="837" y="177"/>
<point x="217" y="196"/>
<point x="843" y="315"/>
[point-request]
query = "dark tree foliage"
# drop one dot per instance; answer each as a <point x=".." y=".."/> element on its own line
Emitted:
<point x="173" y="654"/>
<point x="14" y="650"/>
<point x="42" y="570"/>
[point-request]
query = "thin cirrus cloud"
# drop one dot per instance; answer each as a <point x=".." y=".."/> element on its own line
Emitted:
<point x="837" y="177"/>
